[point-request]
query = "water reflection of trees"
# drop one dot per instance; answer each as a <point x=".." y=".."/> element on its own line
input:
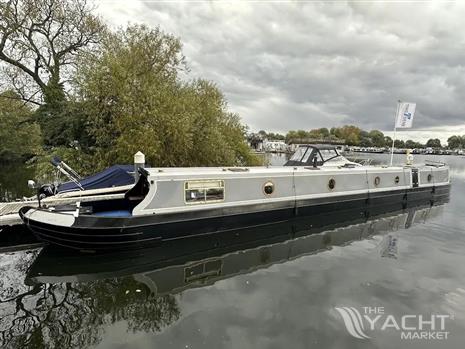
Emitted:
<point x="75" y="314"/>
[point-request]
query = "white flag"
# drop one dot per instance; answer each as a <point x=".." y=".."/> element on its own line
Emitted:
<point x="405" y="115"/>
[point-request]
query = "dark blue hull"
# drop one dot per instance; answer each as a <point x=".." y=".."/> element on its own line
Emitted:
<point x="92" y="233"/>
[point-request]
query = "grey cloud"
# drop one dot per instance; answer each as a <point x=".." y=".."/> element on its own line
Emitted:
<point x="303" y="65"/>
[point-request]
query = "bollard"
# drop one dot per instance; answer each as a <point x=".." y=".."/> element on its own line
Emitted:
<point x="409" y="158"/>
<point x="139" y="161"/>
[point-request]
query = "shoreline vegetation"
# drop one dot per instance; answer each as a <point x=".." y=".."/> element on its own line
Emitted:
<point x="73" y="87"/>
<point x="351" y="135"/>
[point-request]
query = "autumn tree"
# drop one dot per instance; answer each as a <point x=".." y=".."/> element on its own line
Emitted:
<point x="350" y="133"/>
<point x="39" y="43"/>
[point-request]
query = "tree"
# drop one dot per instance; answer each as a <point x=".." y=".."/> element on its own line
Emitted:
<point x="318" y="133"/>
<point x="387" y="141"/>
<point x="399" y="144"/>
<point x="315" y="134"/>
<point x="271" y="135"/>
<point x="377" y="137"/>
<point x="276" y="136"/>
<point x="455" y="142"/>
<point x="366" y="142"/>
<point x="434" y="143"/>
<point x="323" y="132"/>
<point x="136" y="101"/>
<point x="39" y="42"/>
<point x="413" y="145"/>
<point x="290" y="135"/>
<point x="20" y="136"/>
<point x="350" y="133"/>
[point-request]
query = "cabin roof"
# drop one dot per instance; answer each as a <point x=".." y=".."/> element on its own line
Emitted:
<point x="169" y="171"/>
<point x="225" y="172"/>
<point x="319" y="146"/>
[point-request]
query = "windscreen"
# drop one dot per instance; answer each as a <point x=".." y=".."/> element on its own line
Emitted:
<point x="299" y="154"/>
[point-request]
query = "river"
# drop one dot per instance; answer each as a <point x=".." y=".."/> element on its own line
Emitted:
<point x="398" y="271"/>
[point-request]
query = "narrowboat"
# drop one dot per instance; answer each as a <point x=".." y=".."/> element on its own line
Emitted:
<point x="200" y="261"/>
<point x="175" y="203"/>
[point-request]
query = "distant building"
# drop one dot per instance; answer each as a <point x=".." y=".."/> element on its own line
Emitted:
<point x="275" y="146"/>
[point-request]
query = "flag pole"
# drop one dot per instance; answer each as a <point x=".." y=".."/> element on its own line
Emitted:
<point x="395" y="131"/>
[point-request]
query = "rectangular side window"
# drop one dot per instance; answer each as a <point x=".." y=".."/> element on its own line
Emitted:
<point x="203" y="191"/>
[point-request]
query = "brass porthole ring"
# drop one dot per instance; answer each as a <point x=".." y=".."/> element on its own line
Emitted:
<point x="377" y="181"/>
<point x="331" y="184"/>
<point x="268" y="188"/>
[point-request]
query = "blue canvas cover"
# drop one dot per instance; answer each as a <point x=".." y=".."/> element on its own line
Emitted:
<point x="113" y="176"/>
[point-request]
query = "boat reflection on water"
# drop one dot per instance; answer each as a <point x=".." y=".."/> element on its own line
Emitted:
<point x="178" y="265"/>
<point x="69" y="299"/>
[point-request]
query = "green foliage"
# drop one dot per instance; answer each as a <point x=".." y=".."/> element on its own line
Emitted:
<point x="319" y="134"/>
<point x="20" y="136"/>
<point x="387" y="141"/>
<point x="366" y="142"/>
<point x="13" y="181"/>
<point x="377" y="138"/>
<point x="434" y="143"/>
<point x="64" y="123"/>
<point x="40" y="42"/>
<point x="271" y="135"/>
<point x="352" y="135"/>
<point x="413" y="145"/>
<point x="136" y="100"/>
<point x="455" y="142"/>
<point x="77" y="158"/>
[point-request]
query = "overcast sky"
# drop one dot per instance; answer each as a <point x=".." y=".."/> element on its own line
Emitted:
<point x="300" y="65"/>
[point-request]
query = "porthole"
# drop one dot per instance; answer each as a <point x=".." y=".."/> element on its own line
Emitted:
<point x="377" y="181"/>
<point x="331" y="184"/>
<point x="430" y="177"/>
<point x="397" y="180"/>
<point x="268" y="188"/>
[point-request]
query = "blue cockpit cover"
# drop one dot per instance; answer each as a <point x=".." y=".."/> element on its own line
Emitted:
<point x="114" y="176"/>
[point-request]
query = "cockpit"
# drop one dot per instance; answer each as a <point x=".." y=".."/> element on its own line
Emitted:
<point x="317" y="155"/>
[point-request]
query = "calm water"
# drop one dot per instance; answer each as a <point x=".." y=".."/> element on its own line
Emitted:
<point x="253" y="290"/>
